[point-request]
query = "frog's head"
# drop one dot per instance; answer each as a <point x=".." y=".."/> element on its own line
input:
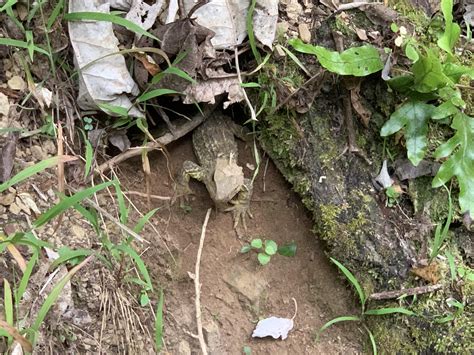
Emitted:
<point x="228" y="177"/>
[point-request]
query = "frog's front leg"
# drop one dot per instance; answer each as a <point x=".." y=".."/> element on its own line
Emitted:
<point x="182" y="189"/>
<point x="241" y="204"/>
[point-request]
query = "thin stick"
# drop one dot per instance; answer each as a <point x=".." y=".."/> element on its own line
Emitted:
<point x="408" y="291"/>
<point x="142" y="194"/>
<point x="197" y="285"/>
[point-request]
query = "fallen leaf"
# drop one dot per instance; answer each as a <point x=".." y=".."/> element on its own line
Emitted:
<point x="107" y="80"/>
<point x="383" y="178"/>
<point x="205" y="91"/>
<point x="358" y="106"/>
<point x="273" y="327"/>
<point x="4" y="105"/>
<point x="17" y="83"/>
<point x="120" y="140"/>
<point x="7" y="157"/>
<point x="430" y="272"/>
<point x="143" y="14"/>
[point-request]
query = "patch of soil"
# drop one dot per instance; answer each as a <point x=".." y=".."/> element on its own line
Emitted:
<point x="236" y="291"/>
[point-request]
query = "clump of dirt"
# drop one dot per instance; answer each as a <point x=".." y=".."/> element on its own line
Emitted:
<point x="236" y="291"/>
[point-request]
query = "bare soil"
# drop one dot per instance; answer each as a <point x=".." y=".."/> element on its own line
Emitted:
<point x="236" y="291"/>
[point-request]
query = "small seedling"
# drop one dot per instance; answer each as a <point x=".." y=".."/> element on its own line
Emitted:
<point x="392" y="196"/>
<point x="363" y="305"/>
<point x="266" y="249"/>
<point x="88" y="123"/>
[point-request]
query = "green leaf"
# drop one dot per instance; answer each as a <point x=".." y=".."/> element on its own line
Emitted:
<point x="402" y="83"/>
<point x="263" y="258"/>
<point x="245" y="249"/>
<point x="159" y="324"/>
<point x="411" y="53"/>
<point x="100" y="16"/>
<point x="353" y="281"/>
<point x="271" y="247"/>
<point x="246" y="349"/>
<point x="384" y="311"/>
<point x="68" y="202"/>
<point x="460" y="163"/>
<point x="456" y="71"/>
<point x="357" y="61"/>
<point x="394" y="27"/>
<point x="428" y="73"/>
<point x="288" y="249"/>
<point x="444" y="110"/>
<point x="413" y="115"/>
<point x="451" y="29"/>
<point x="256" y="243"/>
<point x="155" y="93"/>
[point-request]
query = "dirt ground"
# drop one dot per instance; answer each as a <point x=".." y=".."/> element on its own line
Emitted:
<point x="236" y="290"/>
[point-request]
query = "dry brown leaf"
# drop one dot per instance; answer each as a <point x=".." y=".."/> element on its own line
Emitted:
<point x="26" y="345"/>
<point x="430" y="272"/>
<point x="363" y="113"/>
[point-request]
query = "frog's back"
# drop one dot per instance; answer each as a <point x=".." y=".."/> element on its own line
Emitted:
<point x="212" y="139"/>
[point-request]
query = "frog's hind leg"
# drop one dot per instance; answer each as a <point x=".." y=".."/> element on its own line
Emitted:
<point x="188" y="171"/>
<point x="241" y="204"/>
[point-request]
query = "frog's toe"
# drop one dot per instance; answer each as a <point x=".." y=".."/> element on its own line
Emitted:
<point x="239" y="210"/>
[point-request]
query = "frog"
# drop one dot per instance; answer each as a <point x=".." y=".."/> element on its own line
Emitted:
<point x="216" y="150"/>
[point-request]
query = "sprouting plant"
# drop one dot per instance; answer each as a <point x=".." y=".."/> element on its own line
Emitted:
<point x="442" y="232"/>
<point x="88" y="123"/>
<point x="392" y="195"/>
<point x="266" y="249"/>
<point x="363" y="305"/>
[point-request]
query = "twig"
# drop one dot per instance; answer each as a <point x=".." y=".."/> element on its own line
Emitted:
<point x="265" y="173"/>
<point x="158" y="144"/>
<point x="408" y="291"/>
<point x="197" y="285"/>
<point x="142" y="194"/>
<point x="305" y="84"/>
<point x="253" y="116"/>
<point x="112" y="218"/>
<point x="296" y="309"/>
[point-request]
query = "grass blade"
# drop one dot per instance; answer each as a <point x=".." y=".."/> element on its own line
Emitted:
<point x="68" y="202"/>
<point x="250" y="33"/>
<point x="141" y="222"/>
<point x="338" y="320"/>
<point x="25" y="279"/>
<point x="22" y="44"/>
<point x="138" y="261"/>
<point x="353" y="281"/>
<point x="159" y="324"/>
<point x="68" y="254"/>
<point x="54" y="14"/>
<point x="372" y="340"/>
<point x="452" y="265"/>
<point x="99" y="16"/>
<point x="53" y="296"/>
<point x="8" y="302"/>
<point x="155" y="93"/>
<point x="123" y="210"/>
<point x="383" y="311"/>
<point x="34" y="169"/>
<point x="295" y="59"/>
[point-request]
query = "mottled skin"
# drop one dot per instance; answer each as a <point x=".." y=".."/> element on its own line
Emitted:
<point x="216" y="151"/>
